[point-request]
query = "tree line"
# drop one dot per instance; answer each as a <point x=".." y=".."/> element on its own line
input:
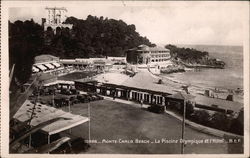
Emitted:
<point x="193" y="56"/>
<point x="187" y="54"/>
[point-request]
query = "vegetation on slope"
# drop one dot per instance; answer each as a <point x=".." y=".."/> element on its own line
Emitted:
<point x="190" y="56"/>
<point x="93" y="37"/>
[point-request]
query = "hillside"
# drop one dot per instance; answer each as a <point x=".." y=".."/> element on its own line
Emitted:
<point x="93" y="37"/>
<point x="191" y="57"/>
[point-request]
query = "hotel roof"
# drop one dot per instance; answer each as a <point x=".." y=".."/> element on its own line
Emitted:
<point x="157" y="48"/>
<point x="147" y="48"/>
<point x="45" y="58"/>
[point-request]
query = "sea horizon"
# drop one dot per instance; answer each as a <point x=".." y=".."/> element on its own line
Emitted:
<point x="231" y="77"/>
<point x="183" y="45"/>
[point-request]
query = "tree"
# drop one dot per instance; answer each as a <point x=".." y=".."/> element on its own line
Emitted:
<point x="186" y="54"/>
<point x="237" y="125"/>
<point x="106" y="37"/>
<point x="201" y="117"/>
<point x="25" y="41"/>
<point x="220" y="121"/>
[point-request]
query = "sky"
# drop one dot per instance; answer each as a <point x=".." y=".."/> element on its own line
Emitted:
<point x="171" y="22"/>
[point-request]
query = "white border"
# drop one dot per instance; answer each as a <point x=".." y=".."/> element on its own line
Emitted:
<point x="5" y="72"/>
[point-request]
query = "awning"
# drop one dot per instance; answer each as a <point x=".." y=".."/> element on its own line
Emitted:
<point x="56" y="64"/>
<point x="41" y="67"/>
<point x="50" y="66"/>
<point x="45" y="113"/>
<point x="34" y="69"/>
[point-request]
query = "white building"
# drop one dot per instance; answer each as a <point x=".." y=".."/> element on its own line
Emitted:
<point x="153" y="58"/>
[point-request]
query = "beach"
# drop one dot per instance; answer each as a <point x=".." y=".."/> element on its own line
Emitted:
<point x="231" y="77"/>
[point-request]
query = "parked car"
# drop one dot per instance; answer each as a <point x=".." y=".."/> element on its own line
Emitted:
<point x="99" y="97"/>
<point x="95" y="96"/>
<point x="74" y="91"/>
<point x="66" y="92"/>
<point x="89" y="97"/>
<point x="43" y="139"/>
<point x="59" y="102"/>
<point x="73" y="146"/>
<point x="156" y="109"/>
<point x="51" y="91"/>
<point x="73" y="100"/>
<point x="82" y="98"/>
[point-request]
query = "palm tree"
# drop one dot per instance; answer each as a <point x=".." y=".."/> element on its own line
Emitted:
<point x="15" y="105"/>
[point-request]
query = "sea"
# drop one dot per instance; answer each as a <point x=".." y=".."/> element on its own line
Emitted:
<point x="229" y="78"/>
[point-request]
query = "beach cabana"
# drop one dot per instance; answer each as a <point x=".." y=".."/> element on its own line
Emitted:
<point x="56" y="64"/>
<point x="41" y="67"/>
<point x="34" y="69"/>
<point x="50" y="66"/>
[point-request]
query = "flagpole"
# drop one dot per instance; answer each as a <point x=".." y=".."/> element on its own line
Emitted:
<point x="89" y="117"/>
<point x="69" y="112"/>
<point x="183" y="127"/>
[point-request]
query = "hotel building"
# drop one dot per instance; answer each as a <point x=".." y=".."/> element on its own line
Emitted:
<point x="144" y="54"/>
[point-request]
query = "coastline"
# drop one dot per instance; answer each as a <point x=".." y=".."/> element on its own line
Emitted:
<point x="202" y="66"/>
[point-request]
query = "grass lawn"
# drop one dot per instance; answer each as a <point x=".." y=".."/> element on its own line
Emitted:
<point x="76" y="75"/>
<point x="112" y="121"/>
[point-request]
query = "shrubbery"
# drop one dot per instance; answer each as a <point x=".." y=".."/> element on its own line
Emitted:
<point x="216" y="120"/>
<point x="186" y="54"/>
<point x="201" y="117"/>
<point x="220" y="121"/>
